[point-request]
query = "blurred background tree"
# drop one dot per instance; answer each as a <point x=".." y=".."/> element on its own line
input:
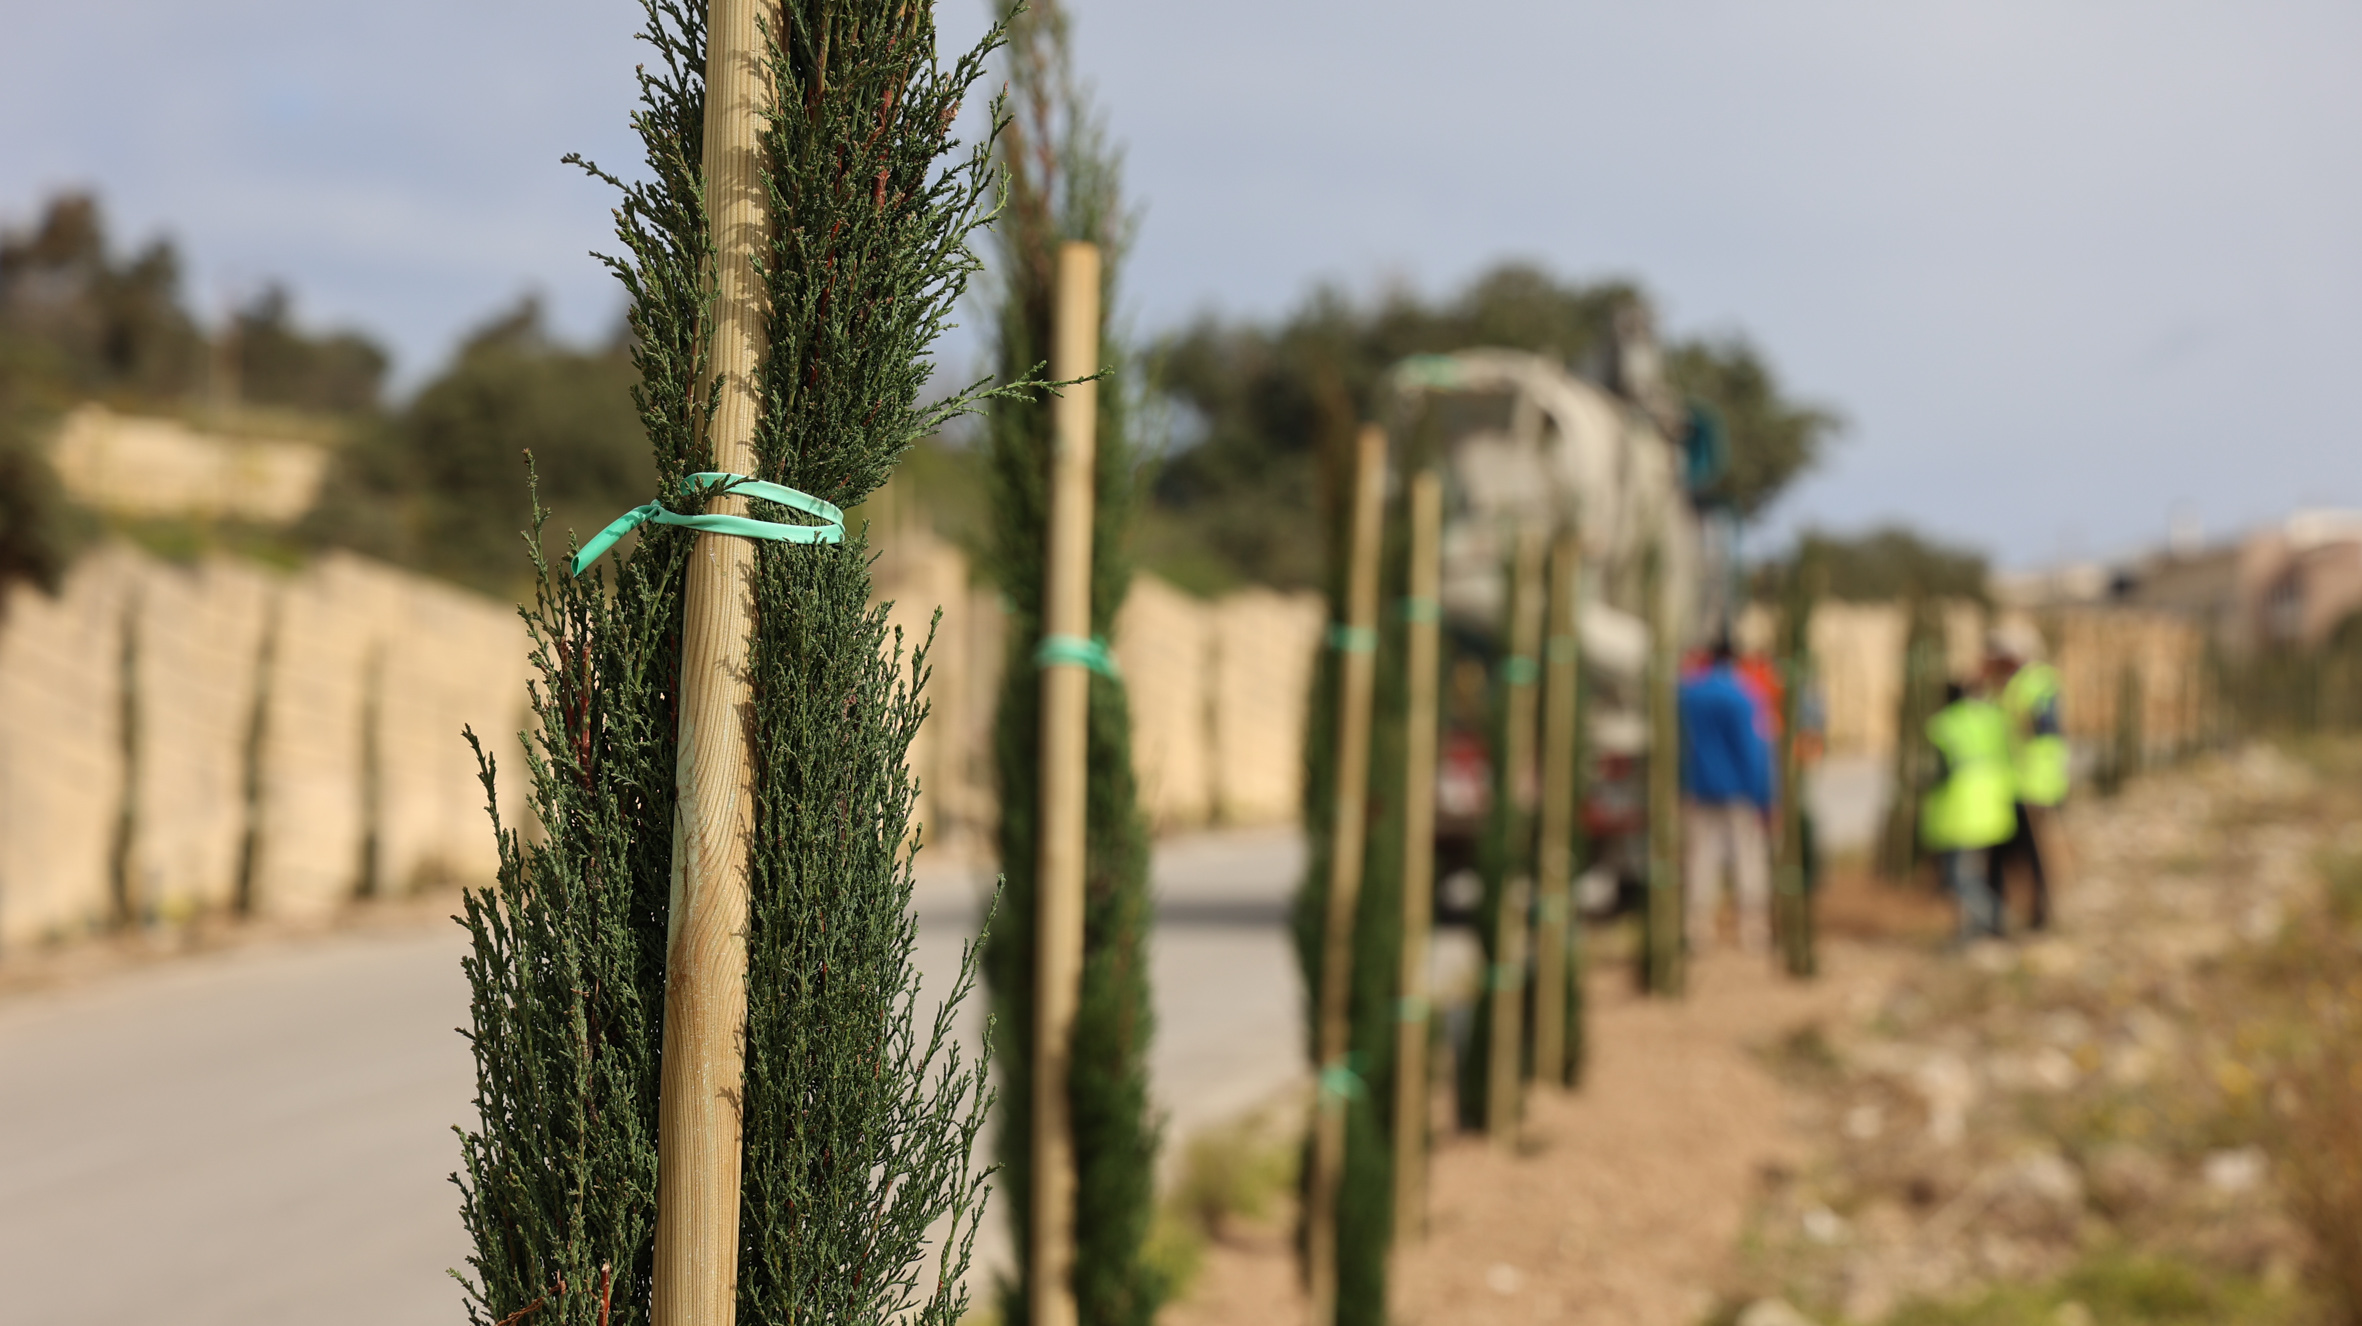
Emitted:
<point x="1772" y="439"/>
<point x="77" y="322"/>
<point x="276" y="363"/>
<point x="438" y="484"/>
<point x="1255" y="407"/>
<point x="1882" y="565"/>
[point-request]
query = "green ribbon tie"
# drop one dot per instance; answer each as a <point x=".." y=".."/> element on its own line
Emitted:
<point x="1419" y="608"/>
<point x="1519" y="670"/>
<point x="1410" y="1008"/>
<point x="745" y="527"/>
<point x="1339" y="1081"/>
<point x="1352" y="639"/>
<point x="1081" y="653"/>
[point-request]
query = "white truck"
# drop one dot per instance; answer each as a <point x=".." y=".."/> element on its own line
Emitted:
<point x="1522" y="442"/>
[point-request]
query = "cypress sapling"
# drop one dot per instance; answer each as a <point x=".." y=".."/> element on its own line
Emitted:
<point x="858" y="1115"/>
<point x="1064" y="184"/>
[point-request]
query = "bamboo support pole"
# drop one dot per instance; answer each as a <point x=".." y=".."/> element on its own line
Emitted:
<point x="1555" y="841"/>
<point x="1422" y="673"/>
<point x="1506" y="980"/>
<point x="699" y="1154"/>
<point x="1356" y="678"/>
<point x="1666" y="906"/>
<point x="1058" y="874"/>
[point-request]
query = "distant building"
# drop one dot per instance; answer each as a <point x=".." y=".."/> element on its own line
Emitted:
<point x="2286" y="585"/>
<point x="2298" y="582"/>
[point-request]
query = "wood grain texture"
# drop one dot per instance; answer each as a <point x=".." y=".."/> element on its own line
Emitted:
<point x="698" y="1112"/>
<point x="1058" y="877"/>
<point x="1356" y="679"/>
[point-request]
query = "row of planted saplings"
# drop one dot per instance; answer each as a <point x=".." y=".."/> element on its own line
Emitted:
<point x="1366" y="917"/>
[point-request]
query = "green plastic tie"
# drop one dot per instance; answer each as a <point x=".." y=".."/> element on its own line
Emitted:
<point x="1075" y="650"/>
<point x="1505" y="976"/>
<point x="1519" y="670"/>
<point x="1435" y="372"/>
<point x="1410" y="1008"/>
<point x="1420" y="608"/>
<point x="1352" y="639"/>
<point x="744" y="527"/>
<point x="1339" y="1081"/>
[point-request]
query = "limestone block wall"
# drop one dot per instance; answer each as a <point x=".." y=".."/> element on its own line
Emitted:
<point x="920" y="575"/>
<point x="196" y="642"/>
<point x="177" y="740"/>
<point x="62" y="756"/>
<point x="2094" y="647"/>
<point x="163" y="467"/>
<point x="181" y="739"/>
<point x="1217" y="690"/>
<point x="1857" y="651"/>
<point x="1263" y="649"/>
<point x="1163" y="642"/>
<point x="446" y="661"/>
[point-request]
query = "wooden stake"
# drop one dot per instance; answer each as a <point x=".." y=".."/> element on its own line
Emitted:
<point x="1058" y="873"/>
<point x="1666" y="906"/>
<point x="1555" y="844"/>
<point x="1506" y="979"/>
<point x="698" y="1124"/>
<point x="1356" y="676"/>
<point x="1421" y="675"/>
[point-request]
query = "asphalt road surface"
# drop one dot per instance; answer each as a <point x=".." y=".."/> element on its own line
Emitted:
<point x="264" y="1136"/>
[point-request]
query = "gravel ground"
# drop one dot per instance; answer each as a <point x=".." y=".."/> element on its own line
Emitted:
<point x="1622" y="1202"/>
<point x="1919" y="1126"/>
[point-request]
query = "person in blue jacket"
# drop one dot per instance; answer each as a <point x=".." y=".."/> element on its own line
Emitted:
<point x="1726" y="788"/>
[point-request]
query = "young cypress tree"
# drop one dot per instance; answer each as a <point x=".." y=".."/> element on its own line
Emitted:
<point x="859" y="1116"/>
<point x="1365" y="1190"/>
<point x="1064" y="184"/>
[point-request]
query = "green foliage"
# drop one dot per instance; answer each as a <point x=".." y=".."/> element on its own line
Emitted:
<point x="278" y="364"/>
<point x="85" y="322"/>
<point x="1264" y="408"/>
<point x="80" y="322"/>
<point x="859" y="1116"/>
<point x="1063" y="184"/>
<point x="38" y="532"/>
<point x="1365" y="1193"/>
<point x="1881" y="566"/>
<point x="1772" y="439"/>
<point x="566" y="968"/>
<point x="2114" y="1289"/>
<point x="435" y="487"/>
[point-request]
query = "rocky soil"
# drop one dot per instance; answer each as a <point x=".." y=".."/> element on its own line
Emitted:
<point x="2065" y="1128"/>
<point x="2078" y="1106"/>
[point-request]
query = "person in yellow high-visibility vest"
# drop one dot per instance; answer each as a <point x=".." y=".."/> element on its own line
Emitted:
<point x="1971" y="808"/>
<point x="2029" y="695"/>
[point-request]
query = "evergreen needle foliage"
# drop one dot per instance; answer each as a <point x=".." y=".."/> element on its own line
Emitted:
<point x="1063" y="184"/>
<point x="859" y="1114"/>
<point x="1365" y="1193"/>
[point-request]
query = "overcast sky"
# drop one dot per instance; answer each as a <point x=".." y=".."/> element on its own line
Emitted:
<point x="2070" y="268"/>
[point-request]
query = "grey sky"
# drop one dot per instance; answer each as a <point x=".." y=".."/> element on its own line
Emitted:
<point x="2068" y="267"/>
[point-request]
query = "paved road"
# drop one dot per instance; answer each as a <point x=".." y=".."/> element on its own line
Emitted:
<point x="262" y="1137"/>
